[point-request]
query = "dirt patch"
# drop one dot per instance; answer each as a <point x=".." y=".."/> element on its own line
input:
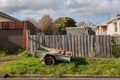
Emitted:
<point x="3" y="75"/>
<point x="2" y="61"/>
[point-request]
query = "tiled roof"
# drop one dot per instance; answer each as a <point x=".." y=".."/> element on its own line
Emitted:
<point x="8" y="16"/>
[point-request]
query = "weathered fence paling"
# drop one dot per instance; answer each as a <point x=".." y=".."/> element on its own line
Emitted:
<point x="81" y="46"/>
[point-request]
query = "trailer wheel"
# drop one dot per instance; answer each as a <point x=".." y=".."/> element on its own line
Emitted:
<point x="49" y="60"/>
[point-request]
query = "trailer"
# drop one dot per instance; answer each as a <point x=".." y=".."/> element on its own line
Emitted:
<point x="52" y="56"/>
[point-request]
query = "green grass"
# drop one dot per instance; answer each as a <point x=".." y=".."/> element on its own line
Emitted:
<point x="84" y="66"/>
<point x="24" y="54"/>
<point x="20" y="53"/>
<point x="2" y="54"/>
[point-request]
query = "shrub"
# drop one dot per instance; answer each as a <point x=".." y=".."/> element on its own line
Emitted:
<point x="116" y="51"/>
<point x="11" y="51"/>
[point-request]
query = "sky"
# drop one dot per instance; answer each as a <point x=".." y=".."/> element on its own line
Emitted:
<point x="95" y="11"/>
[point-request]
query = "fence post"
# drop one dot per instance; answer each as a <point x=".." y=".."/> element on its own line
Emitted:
<point x="31" y="43"/>
<point x="109" y="54"/>
<point x="27" y="43"/>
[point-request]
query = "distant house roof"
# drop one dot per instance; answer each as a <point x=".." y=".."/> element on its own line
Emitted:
<point x="84" y="24"/>
<point x="8" y="16"/>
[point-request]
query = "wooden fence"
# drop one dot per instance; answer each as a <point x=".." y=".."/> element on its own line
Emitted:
<point x="81" y="46"/>
<point x="12" y="25"/>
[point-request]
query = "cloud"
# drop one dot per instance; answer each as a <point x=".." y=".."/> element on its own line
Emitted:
<point x="59" y="7"/>
<point x="92" y="7"/>
<point x="20" y="5"/>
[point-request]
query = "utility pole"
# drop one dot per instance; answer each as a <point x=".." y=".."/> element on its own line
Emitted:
<point x="108" y="15"/>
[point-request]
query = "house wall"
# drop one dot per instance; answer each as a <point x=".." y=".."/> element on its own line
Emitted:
<point x="100" y="30"/>
<point x="119" y="26"/>
<point x="79" y="31"/>
<point x="4" y="19"/>
<point x="110" y="30"/>
<point x="11" y="39"/>
<point x="76" y="31"/>
<point x="97" y="31"/>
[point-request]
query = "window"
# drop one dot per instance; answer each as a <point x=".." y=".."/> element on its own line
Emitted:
<point x="104" y="30"/>
<point x="116" y="27"/>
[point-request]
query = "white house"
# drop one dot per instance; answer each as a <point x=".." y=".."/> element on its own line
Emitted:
<point x="109" y="27"/>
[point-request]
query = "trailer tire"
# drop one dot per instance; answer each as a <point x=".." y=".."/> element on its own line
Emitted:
<point x="49" y="60"/>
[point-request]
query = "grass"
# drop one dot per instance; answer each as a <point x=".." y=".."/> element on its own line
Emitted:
<point x="9" y="51"/>
<point x="12" y="53"/>
<point x="2" y="54"/>
<point x="84" y="66"/>
<point x="5" y="52"/>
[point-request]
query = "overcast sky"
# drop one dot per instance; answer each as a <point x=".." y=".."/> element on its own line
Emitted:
<point x="95" y="11"/>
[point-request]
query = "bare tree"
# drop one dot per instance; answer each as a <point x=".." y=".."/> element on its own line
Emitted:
<point x="46" y="25"/>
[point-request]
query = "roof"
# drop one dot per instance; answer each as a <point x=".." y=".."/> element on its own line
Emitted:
<point x="73" y="27"/>
<point x="8" y="16"/>
<point x="106" y="22"/>
<point x="77" y="28"/>
<point x="85" y="24"/>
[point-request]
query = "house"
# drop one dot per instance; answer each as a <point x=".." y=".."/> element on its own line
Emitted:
<point x="5" y="18"/>
<point x="79" y="31"/>
<point x="110" y="27"/>
<point x="83" y="28"/>
<point x="14" y="33"/>
<point x="85" y="24"/>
